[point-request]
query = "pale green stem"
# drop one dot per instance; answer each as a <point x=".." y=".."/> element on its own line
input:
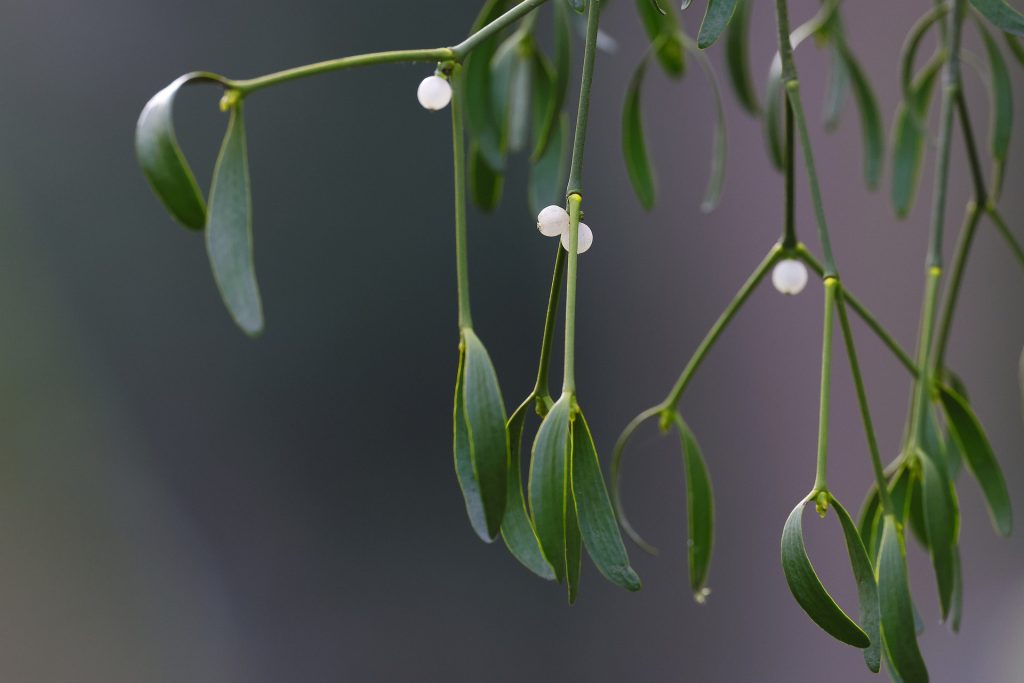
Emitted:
<point x="461" y="251"/>
<point x="821" y="474"/>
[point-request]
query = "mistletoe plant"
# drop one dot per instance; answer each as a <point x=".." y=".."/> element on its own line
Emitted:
<point x="507" y="97"/>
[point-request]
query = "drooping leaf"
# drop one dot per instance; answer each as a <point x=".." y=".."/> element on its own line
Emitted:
<point x="807" y="588"/>
<point x="573" y="545"/>
<point x="162" y="160"/>
<point x="481" y="118"/>
<point x="716" y="178"/>
<point x="578" y="5"/>
<point x="634" y="148"/>
<point x="1001" y="15"/>
<point x="716" y="18"/>
<point x="666" y="38"/>
<point x="868" y="522"/>
<point x="909" y="137"/>
<point x="229" y="228"/>
<point x="516" y="528"/>
<point x="981" y="461"/>
<point x="908" y="54"/>
<point x="548" y="175"/>
<point x="867" y="588"/>
<point x="485" y="184"/>
<point x="737" y="59"/>
<point x="700" y="510"/>
<point x="548" y="487"/>
<point x="1002" y="106"/>
<point x="597" y="522"/>
<point x="464" y="458"/>
<point x="915" y="516"/>
<point x="896" y="607"/>
<point x="555" y="97"/>
<point x="520" y="89"/>
<point x="838" y="87"/>
<point x="1016" y="47"/>
<point x="942" y="520"/>
<point x="870" y="119"/>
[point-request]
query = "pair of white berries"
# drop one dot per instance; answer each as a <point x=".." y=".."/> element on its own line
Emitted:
<point x="553" y="221"/>
<point x="790" y="276"/>
<point x="434" y="93"/>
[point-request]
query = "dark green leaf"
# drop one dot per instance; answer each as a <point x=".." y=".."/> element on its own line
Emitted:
<point x="548" y="484"/>
<point x="657" y="6"/>
<point x="867" y="589"/>
<point x="516" y="528"/>
<point x="909" y="52"/>
<point x="838" y="87"/>
<point x="942" y="520"/>
<point x="977" y="453"/>
<point x="868" y="522"/>
<point x="229" y="228"/>
<point x="1001" y="15"/>
<point x="161" y="159"/>
<point x="716" y="18"/>
<point x="464" y="458"/>
<point x="485" y="184"/>
<point x="899" y="492"/>
<point x="1016" y="48"/>
<point x="807" y="588"/>
<point x="716" y="178"/>
<point x="578" y="5"/>
<point x="666" y="38"/>
<point x="573" y="549"/>
<point x="634" y="149"/>
<point x="737" y="59"/>
<point x="519" y="90"/>
<point x="909" y="136"/>
<point x="548" y="175"/>
<point x="870" y="119"/>
<point x="554" y="98"/>
<point x="596" y="518"/>
<point x="1002" y="105"/>
<point x="916" y="513"/>
<point x="897" y="611"/>
<point x="481" y="117"/>
<point x="700" y="510"/>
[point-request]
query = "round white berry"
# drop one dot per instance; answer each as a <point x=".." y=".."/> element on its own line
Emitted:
<point x="790" y="276"/>
<point x="434" y="93"/>
<point x="585" y="241"/>
<point x="553" y="221"/>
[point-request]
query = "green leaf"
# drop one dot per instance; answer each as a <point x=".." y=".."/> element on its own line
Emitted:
<point x="1001" y="15"/>
<point x="981" y="461"/>
<point x="700" y="510"/>
<point x="1016" y="47"/>
<point x="716" y="178"/>
<point x="573" y="547"/>
<point x="485" y="184"/>
<point x="229" y="228"/>
<point x="548" y="489"/>
<point x="867" y="589"/>
<point x="908" y="140"/>
<point x="634" y="149"/>
<point x="897" y="611"/>
<point x="554" y="98"/>
<point x="838" y="87"/>
<point x="464" y="458"/>
<point x="519" y="90"/>
<point x="666" y="38"/>
<point x="737" y="58"/>
<point x="548" y="175"/>
<point x="162" y="160"/>
<point x="942" y="521"/>
<point x="870" y="119"/>
<point x="807" y="588"/>
<point x="516" y="528"/>
<point x="915" y="515"/>
<point x="1002" y="104"/>
<point x="593" y="508"/>
<point x="484" y="412"/>
<point x="716" y="18"/>
<point x="481" y="117"/>
<point x="579" y="6"/>
<point x="868" y="521"/>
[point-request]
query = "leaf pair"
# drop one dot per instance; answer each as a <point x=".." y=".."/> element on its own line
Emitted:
<point x="480" y="439"/>
<point x="570" y="504"/>
<point x="816" y="601"/>
<point x="228" y="218"/>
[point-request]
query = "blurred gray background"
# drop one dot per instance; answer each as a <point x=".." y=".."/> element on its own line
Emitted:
<point x="180" y="503"/>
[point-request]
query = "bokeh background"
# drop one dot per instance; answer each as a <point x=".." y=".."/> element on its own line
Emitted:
<point x="181" y="503"/>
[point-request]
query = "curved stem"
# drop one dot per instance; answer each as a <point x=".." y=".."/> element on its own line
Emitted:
<point x="461" y="252"/>
<point x="540" y="391"/>
<point x="716" y="330"/>
<point x="821" y="474"/>
<point x="510" y="17"/>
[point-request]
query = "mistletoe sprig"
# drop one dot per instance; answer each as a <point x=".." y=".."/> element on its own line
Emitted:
<point x="508" y="97"/>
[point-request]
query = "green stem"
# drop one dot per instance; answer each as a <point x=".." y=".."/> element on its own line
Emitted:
<point x="461" y="252"/>
<point x="973" y="156"/>
<point x="670" y="403"/>
<point x="789" y="240"/>
<point x="1004" y="230"/>
<point x="569" y="378"/>
<point x="540" y="391"/>
<point x="963" y="248"/>
<point x="861" y="310"/>
<point x="821" y="474"/>
<point x="583" y="112"/>
<point x="441" y="54"/>
<point x="919" y="402"/>
<point x="862" y="401"/>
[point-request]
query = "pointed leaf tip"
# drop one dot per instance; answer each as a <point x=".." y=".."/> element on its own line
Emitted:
<point x="716" y="18"/>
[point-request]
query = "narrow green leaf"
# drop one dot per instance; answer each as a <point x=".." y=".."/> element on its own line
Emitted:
<point x="942" y="520"/>
<point x="1002" y="104"/>
<point x="899" y="492"/>
<point x="716" y="18"/>
<point x="554" y="98"/>
<point x="870" y="119"/>
<point x="162" y="160"/>
<point x="229" y="228"/>
<point x="868" y="522"/>
<point x="957" y="610"/>
<point x="807" y="588"/>
<point x="908" y="140"/>
<point x="981" y="461"/>
<point x="915" y="515"/>
<point x="464" y="458"/>
<point x="1001" y="15"/>
<point x="481" y="117"/>
<point x="867" y="588"/>
<point x="634" y="148"/>
<point x="548" y="484"/>
<point x="548" y="175"/>
<point x="837" y="89"/>
<point x="897" y="611"/>
<point x="737" y="59"/>
<point x="716" y="178"/>
<point x="573" y="546"/>
<point x="516" y="528"/>
<point x="700" y="510"/>
<point x="596" y="518"/>
<point x="1016" y="47"/>
<point x="519" y="91"/>
<point x="485" y="184"/>
<point x="666" y="38"/>
<point x="485" y="423"/>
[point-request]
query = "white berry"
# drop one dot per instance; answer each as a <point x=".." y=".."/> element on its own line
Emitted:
<point x="553" y="221"/>
<point x="790" y="276"/>
<point x="434" y="93"/>
<point x="585" y="241"/>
